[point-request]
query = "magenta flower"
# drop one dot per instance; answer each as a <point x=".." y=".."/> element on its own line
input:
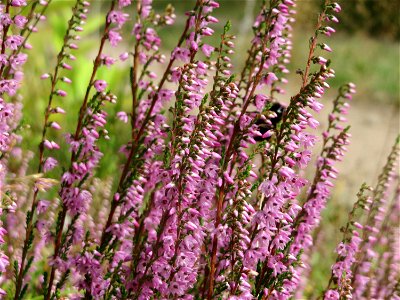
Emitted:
<point x="207" y="49"/>
<point x="331" y="295"/>
<point x="100" y="85"/>
<point x="181" y="54"/>
<point x="61" y="93"/>
<point x="114" y="37"/>
<point x="49" y="164"/>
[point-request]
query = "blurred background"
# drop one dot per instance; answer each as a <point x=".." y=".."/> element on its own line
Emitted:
<point x="366" y="52"/>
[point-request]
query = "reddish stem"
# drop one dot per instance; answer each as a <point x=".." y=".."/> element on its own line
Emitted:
<point x="97" y="63"/>
<point x="135" y="140"/>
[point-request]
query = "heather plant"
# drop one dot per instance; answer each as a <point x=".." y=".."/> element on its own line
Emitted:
<point x="211" y="199"/>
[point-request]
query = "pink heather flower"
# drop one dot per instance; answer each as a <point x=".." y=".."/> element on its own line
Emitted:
<point x="165" y="95"/>
<point x="73" y="46"/>
<point x="182" y="54"/>
<point x="328" y="30"/>
<point x="321" y="60"/>
<point x="33" y="29"/>
<point x="245" y="121"/>
<point x="3" y="232"/>
<point x="18" y="76"/>
<point x="61" y="93"/>
<point x="228" y="178"/>
<point x="260" y="101"/>
<point x="212" y="19"/>
<point x="5" y="19"/>
<point x="331" y="295"/>
<point x="146" y="8"/>
<point x="276" y="265"/>
<point x="108" y="60"/>
<point x="42" y="206"/>
<point x="45" y="76"/>
<point x="3" y="60"/>
<point x="124" y="56"/>
<point x="122" y="116"/>
<point x="117" y="17"/>
<point x="66" y="66"/>
<point x="175" y="74"/>
<point x="207" y="50"/>
<point x="313" y="123"/>
<point x="143" y="58"/>
<point x="51" y="144"/>
<point x="14" y="41"/>
<point x="207" y="31"/>
<point x="100" y="85"/>
<point x="336" y="7"/>
<point x="333" y="19"/>
<point x="18" y="3"/>
<point x="136" y="31"/>
<point x="151" y="39"/>
<point x="114" y="37"/>
<point x="20" y="21"/>
<point x="55" y="125"/>
<point x="314" y="105"/>
<point x="58" y="110"/>
<point x="66" y="80"/>
<point x="4" y="262"/>
<point x="286" y="172"/>
<point x="170" y="19"/>
<point x="124" y="3"/>
<point x="8" y="86"/>
<point x="270" y="78"/>
<point x="55" y="145"/>
<point x="49" y="164"/>
<point x="76" y="200"/>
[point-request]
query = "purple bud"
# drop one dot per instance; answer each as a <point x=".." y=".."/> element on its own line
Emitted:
<point x="336" y="7"/>
<point x="61" y="93"/>
<point x="73" y="46"/>
<point x="66" y="66"/>
<point x="58" y="110"/>
<point x="66" y="79"/>
<point x="124" y="56"/>
<point x="55" y="125"/>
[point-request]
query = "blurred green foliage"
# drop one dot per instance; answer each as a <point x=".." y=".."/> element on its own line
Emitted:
<point x="377" y="18"/>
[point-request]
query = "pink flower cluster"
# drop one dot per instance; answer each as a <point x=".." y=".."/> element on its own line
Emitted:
<point x="15" y="27"/>
<point x="211" y="199"/>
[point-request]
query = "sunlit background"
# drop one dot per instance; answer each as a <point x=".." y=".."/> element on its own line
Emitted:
<point x="366" y="52"/>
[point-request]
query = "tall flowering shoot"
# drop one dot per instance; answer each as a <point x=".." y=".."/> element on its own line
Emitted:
<point x="362" y="262"/>
<point x="18" y="19"/>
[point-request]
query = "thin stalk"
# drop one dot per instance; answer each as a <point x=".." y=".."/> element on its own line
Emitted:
<point x="96" y="65"/>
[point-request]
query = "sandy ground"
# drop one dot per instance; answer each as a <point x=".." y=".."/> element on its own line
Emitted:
<point x="374" y="129"/>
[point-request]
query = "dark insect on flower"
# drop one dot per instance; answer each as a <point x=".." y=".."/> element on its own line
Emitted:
<point x="270" y="121"/>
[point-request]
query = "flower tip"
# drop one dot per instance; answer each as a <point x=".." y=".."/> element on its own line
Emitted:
<point x="124" y="56"/>
<point x="61" y="93"/>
